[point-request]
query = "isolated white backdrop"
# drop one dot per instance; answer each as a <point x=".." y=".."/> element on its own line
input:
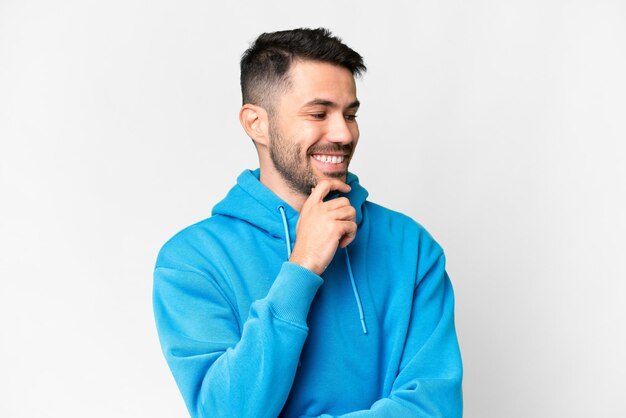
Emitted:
<point x="499" y="125"/>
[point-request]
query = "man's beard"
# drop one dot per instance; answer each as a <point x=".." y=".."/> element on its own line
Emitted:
<point x="296" y="171"/>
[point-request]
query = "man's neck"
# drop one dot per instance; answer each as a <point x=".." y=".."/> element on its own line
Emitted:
<point x="281" y="189"/>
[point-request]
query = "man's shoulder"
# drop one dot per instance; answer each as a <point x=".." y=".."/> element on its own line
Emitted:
<point x="193" y="241"/>
<point x="398" y="224"/>
<point x="379" y="212"/>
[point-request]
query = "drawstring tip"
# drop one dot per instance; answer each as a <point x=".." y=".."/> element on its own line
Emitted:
<point x="363" y="325"/>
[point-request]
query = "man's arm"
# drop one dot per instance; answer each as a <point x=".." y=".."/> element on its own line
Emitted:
<point x="223" y="371"/>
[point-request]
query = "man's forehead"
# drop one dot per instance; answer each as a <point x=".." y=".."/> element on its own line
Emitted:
<point x="320" y="83"/>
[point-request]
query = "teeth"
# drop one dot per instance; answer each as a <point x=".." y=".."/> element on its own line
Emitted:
<point x="333" y="159"/>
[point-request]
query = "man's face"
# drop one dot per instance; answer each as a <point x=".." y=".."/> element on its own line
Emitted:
<point x="313" y="129"/>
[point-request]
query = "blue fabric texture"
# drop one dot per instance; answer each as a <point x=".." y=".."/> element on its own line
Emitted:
<point x="248" y="334"/>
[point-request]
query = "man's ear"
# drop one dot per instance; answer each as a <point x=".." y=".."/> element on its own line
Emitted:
<point x="255" y="122"/>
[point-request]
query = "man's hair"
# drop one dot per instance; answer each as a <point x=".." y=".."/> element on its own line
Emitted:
<point x="265" y="65"/>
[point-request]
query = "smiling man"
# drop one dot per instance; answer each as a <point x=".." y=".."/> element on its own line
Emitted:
<point x="298" y="297"/>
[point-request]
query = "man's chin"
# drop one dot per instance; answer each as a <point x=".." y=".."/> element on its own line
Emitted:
<point x="335" y="175"/>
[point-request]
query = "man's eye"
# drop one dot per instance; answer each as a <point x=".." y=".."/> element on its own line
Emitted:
<point x="351" y="117"/>
<point x="318" y="115"/>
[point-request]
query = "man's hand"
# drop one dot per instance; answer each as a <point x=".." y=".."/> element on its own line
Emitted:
<point x="323" y="226"/>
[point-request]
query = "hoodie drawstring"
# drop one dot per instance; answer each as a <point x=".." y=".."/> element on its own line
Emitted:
<point x="287" y="239"/>
<point x="355" y="291"/>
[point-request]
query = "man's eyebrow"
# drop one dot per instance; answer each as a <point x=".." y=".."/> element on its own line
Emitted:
<point x="327" y="103"/>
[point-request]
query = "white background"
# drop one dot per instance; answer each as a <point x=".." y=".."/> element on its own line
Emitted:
<point x="499" y="125"/>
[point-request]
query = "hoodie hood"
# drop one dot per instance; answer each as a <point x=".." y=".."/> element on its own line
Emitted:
<point x="251" y="201"/>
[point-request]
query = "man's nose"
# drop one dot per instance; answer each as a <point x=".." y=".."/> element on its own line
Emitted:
<point x="340" y="131"/>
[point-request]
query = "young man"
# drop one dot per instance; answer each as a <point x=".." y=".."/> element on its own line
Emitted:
<point x="298" y="297"/>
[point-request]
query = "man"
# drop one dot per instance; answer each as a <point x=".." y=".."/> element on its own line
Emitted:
<point x="299" y="297"/>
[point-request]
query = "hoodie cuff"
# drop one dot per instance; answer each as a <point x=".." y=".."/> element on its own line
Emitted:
<point x="292" y="293"/>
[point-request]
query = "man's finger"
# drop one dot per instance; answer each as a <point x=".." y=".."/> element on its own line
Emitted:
<point x="325" y="186"/>
<point x="349" y="236"/>
<point x="337" y="203"/>
<point x="345" y="213"/>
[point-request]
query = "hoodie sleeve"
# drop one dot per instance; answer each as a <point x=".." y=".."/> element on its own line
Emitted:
<point x="428" y="383"/>
<point x="220" y="369"/>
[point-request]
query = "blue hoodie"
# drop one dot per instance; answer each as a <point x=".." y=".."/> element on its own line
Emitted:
<point x="248" y="334"/>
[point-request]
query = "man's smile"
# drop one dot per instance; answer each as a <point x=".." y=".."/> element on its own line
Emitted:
<point x="333" y="159"/>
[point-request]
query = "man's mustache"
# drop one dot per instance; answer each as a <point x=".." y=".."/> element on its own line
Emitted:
<point x="332" y="148"/>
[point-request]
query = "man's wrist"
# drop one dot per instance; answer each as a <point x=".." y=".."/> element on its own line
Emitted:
<point x="292" y="292"/>
<point x="307" y="263"/>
